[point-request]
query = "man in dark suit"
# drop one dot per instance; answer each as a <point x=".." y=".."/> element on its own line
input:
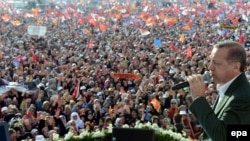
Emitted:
<point x="227" y="66"/>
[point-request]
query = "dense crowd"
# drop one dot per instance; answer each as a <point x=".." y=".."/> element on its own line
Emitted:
<point x="73" y="66"/>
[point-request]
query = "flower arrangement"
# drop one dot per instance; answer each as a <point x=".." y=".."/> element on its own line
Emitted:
<point x="106" y="134"/>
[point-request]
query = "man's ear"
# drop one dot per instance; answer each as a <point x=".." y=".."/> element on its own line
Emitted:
<point x="237" y="66"/>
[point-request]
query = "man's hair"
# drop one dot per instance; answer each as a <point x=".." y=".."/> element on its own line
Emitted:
<point x="236" y="52"/>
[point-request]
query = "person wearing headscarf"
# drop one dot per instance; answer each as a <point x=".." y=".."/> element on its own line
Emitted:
<point x="78" y="122"/>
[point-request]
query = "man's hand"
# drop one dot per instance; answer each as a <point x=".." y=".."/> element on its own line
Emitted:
<point x="196" y="85"/>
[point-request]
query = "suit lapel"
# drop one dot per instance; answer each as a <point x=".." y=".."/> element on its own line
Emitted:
<point x="221" y="104"/>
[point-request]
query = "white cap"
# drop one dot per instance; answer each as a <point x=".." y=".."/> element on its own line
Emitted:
<point x="59" y="88"/>
<point x="4" y="109"/>
<point x="83" y="88"/>
<point x="40" y="85"/>
<point x="39" y="138"/>
<point x="182" y="112"/>
<point x="73" y="64"/>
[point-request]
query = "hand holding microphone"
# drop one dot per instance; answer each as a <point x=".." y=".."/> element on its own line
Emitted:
<point x="195" y="83"/>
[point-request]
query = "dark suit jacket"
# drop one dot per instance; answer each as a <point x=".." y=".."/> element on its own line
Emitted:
<point x="233" y="109"/>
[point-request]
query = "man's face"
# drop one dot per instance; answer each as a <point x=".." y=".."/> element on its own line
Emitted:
<point x="220" y="69"/>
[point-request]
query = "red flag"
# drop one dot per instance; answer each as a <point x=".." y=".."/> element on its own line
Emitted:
<point x="93" y="22"/>
<point x="189" y="52"/>
<point x="6" y="17"/>
<point x="115" y="26"/>
<point x="90" y="44"/>
<point x="184" y="3"/>
<point x="76" y="93"/>
<point x="172" y="47"/>
<point x="235" y="21"/>
<point x="81" y="20"/>
<point x="242" y="38"/>
<point x="34" y="57"/>
<point x="19" y="59"/>
<point x="144" y="32"/>
<point x="194" y="35"/>
<point x="190" y="22"/>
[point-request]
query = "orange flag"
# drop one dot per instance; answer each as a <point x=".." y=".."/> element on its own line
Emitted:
<point x="34" y="57"/>
<point x="1" y="55"/>
<point x="118" y="16"/>
<point x="85" y="30"/>
<point x="110" y="110"/>
<point x="39" y="21"/>
<point x="161" y="14"/>
<point x="126" y="76"/>
<point x="103" y="26"/>
<point x="151" y="21"/>
<point x="35" y="12"/>
<point x="55" y="23"/>
<point x="186" y="27"/>
<point x="189" y="52"/>
<point x="156" y="104"/>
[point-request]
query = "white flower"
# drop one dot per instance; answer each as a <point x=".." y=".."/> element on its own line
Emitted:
<point x="125" y="126"/>
<point x="148" y="124"/>
<point x="98" y="134"/>
<point x="138" y="124"/>
<point x="177" y="136"/>
<point x="84" y="134"/>
<point x="55" y="136"/>
<point x="68" y="136"/>
<point x="110" y="128"/>
<point x="185" y="139"/>
<point x="155" y="126"/>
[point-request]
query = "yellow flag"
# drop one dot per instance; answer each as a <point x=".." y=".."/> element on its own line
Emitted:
<point x="39" y="21"/>
<point x="133" y="6"/>
<point x="55" y="22"/>
<point x="16" y="22"/>
<point x="182" y="38"/>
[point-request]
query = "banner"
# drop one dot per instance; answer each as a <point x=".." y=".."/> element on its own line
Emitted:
<point x="126" y="76"/>
<point x="36" y="30"/>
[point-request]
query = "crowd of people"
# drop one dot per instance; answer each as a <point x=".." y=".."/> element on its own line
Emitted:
<point x="110" y="64"/>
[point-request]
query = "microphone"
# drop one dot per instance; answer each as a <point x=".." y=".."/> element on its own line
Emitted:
<point x="185" y="84"/>
<point x="180" y="85"/>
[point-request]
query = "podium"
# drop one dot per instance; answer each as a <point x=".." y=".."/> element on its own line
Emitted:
<point x="133" y="134"/>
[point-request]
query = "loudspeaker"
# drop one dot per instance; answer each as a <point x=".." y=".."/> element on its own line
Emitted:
<point x="133" y="134"/>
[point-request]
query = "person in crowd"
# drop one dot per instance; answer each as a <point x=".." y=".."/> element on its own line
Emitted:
<point x="78" y="122"/>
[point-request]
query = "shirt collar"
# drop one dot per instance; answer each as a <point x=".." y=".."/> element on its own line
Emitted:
<point x="222" y="89"/>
